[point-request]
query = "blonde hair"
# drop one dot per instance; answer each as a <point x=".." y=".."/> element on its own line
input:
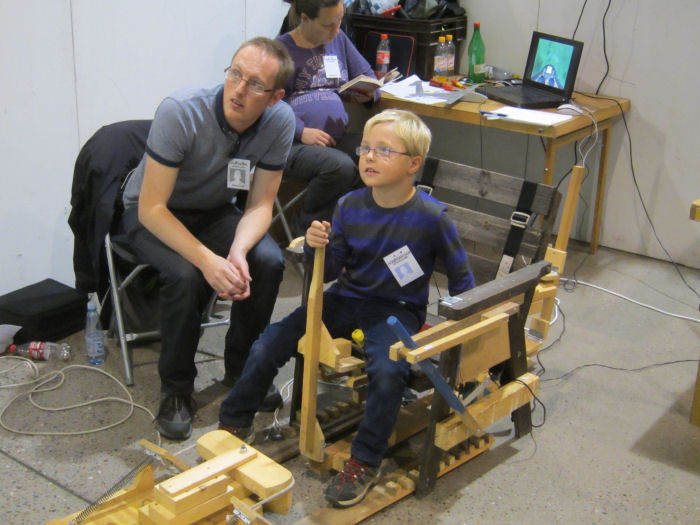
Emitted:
<point x="408" y="127"/>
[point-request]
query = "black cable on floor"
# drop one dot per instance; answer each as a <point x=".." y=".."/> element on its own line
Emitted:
<point x="609" y="367"/>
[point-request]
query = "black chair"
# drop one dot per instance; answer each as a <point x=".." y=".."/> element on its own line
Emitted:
<point x="102" y="260"/>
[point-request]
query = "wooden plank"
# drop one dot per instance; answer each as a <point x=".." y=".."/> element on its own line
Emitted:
<point x="569" y="211"/>
<point x="311" y="439"/>
<point x="162" y="516"/>
<point x="178" y="503"/>
<point x="483" y="327"/>
<point x="444" y="328"/>
<point x="487" y="410"/>
<point x="489" y="185"/>
<point x="261" y="475"/>
<point x="483" y="230"/>
<point x="494" y="292"/>
<point x="203" y="472"/>
<point x="483" y="353"/>
<point x="165" y="455"/>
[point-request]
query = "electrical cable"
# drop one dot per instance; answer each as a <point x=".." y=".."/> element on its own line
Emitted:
<point x="583" y="8"/>
<point x="605" y="52"/>
<point x="59" y="376"/>
<point x="616" y="294"/>
<point x="535" y="400"/>
<point x="571" y="372"/>
<point x="639" y="194"/>
<point x="22" y="361"/>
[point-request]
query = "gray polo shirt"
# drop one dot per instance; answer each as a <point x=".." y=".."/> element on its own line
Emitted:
<point x="189" y="132"/>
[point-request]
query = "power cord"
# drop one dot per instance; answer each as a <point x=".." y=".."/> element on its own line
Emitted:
<point x="571" y="372"/>
<point x="59" y="377"/>
<point x="616" y="294"/>
<point x="641" y="199"/>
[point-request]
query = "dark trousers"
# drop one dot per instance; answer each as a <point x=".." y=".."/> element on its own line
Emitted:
<point x="341" y="315"/>
<point x="184" y="292"/>
<point x="330" y="172"/>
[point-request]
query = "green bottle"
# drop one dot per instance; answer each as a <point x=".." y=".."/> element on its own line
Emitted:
<point x="477" y="53"/>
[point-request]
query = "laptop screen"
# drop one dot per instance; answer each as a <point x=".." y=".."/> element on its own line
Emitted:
<point x="553" y="63"/>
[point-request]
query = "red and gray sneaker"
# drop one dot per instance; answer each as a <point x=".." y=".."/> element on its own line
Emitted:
<point x="352" y="484"/>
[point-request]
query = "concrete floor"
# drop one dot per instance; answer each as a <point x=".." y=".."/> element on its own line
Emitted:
<point x="616" y="446"/>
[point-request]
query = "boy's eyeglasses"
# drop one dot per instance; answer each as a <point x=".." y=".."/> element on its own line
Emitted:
<point x="380" y="151"/>
<point x="253" y="86"/>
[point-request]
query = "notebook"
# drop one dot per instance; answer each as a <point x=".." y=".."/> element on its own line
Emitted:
<point x="550" y="73"/>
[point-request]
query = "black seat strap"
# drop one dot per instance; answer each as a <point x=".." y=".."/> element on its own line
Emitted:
<point x="427" y="180"/>
<point x="519" y="221"/>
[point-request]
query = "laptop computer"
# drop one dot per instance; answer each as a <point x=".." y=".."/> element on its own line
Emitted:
<point x="550" y="73"/>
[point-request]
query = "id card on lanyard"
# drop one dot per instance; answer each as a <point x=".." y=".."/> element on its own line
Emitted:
<point x="238" y="174"/>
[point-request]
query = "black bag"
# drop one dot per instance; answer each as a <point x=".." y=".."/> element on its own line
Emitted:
<point x="46" y="311"/>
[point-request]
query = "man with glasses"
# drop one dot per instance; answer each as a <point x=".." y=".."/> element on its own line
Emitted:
<point x="183" y="217"/>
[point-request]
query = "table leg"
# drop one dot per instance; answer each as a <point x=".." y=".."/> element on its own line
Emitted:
<point x="600" y="191"/>
<point x="550" y="153"/>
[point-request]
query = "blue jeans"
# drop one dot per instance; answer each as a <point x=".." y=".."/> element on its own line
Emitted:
<point x="341" y="315"/>
<point x="184" y="292"/>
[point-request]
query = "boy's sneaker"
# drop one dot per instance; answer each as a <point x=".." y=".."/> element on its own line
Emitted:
<point x="174" y="419"/>
<point x="352" y="484"/>
<point x="245" y="434"/>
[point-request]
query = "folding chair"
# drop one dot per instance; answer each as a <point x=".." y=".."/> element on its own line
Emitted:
<point x="120" y="283"/>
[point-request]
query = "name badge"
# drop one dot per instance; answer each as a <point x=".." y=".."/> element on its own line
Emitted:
<point x="330" y="63"/>
<point x="238" y="176"/>
<point x="403" y="266"/>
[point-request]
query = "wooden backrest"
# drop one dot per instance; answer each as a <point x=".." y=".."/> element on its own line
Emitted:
<point x="480" y="203"/>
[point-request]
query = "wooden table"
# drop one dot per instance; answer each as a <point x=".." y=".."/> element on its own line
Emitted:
<point x="605" y="111"/>
<point x="695" y="409"/>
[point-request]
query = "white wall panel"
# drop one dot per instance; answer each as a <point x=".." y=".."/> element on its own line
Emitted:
<point x="130" y="54"/>
<point x="38" y="141"/>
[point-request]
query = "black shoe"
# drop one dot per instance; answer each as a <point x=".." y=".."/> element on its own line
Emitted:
<point x="272" y="401"/>
<point x="245" y="434"/>
<point x="174" y="419"/>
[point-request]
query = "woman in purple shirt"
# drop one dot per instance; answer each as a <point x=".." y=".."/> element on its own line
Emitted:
<point x="323" y="153"/>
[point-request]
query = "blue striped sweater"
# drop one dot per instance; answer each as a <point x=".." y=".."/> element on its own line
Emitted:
<point x="362" y="234"/>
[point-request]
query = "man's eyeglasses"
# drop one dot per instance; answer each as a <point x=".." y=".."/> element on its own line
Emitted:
<point x="380" y="151"/>
<point x="253" y="86"/>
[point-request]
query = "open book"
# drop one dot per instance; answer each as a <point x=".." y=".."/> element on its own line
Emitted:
<point x="367" y="85"/>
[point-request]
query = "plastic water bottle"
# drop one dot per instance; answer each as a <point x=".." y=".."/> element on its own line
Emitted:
<point x="42" y="351"/>
<point x="477" y="55"/>
<point x="94" y="336"/>
<point x="450" y="52"/>
<point x="383" y="55"/>
<point x="439" y="64"/>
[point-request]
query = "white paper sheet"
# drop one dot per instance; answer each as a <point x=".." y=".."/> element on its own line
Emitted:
<point x="406" y="90"/>
<point x="531" y="116"/>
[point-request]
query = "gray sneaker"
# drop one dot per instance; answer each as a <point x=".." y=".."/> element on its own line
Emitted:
<point x="174" y="419"/>
<point x="352" y="484"/>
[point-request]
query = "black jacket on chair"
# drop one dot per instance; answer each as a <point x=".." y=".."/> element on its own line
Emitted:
<point x="102" y="164"/>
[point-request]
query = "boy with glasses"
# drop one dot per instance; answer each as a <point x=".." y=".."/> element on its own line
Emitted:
<point x="181" y="215"/>
<point x="382" y="246"/>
